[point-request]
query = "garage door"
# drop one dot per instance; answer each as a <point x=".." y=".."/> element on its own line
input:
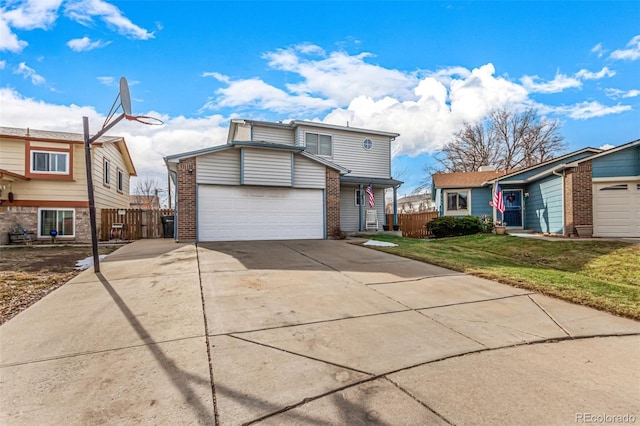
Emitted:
<point x="616" y="209"/>
<point x="230" y="213"/>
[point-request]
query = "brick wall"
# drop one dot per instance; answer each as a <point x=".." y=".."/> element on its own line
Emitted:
<point x="578" y="197"/>
<point x="186" y="209"/>
<point x="27" y="218"/>
<point x="333" y="203"/>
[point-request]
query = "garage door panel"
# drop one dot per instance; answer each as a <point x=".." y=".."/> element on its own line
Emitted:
<point x="249" y="213"/>
<point x="616" y="209"/>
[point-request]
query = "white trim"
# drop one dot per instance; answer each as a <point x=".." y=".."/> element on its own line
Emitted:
<point x="445" y="199"/>
<point x="616" y="179"/>
<point x="41" y="151"/>
<point x="318" y="134"/>
<point x="119" y="180"/>
<point x="56" y="209"/>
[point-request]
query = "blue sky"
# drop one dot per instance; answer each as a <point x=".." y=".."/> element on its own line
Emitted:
<point x="417" y="68"/>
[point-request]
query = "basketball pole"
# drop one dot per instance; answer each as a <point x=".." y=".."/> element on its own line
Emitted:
<point x="92" y="205"/>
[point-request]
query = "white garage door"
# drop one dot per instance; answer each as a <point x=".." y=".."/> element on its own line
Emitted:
<point x="231" y="213"/>
<point x="616" y="209"/>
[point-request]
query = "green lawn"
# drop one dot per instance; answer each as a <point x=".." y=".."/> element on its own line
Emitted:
<point x="601" y="274"/>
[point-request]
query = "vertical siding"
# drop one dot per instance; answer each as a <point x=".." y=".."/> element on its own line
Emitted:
<point x="266" y="167"/>
<point x="480" y="199"/>
<point x="308" y="173"/>
<point x="273" y="135"/>
<point x="622" y="163"/>
<point x="222" y="168"/>
<point x="543" y="209"/>
<point x="12" y="154"/>
<point x="349" y="153"/>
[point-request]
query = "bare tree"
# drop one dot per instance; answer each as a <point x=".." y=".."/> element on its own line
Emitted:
<point x="505" y="139"/>
<point x="146" y="194"/>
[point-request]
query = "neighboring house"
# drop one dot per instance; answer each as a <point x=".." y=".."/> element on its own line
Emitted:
<point x="144" y="202"/>
<point x="43" y="182"/>
<point x="414" y="203"/>
<point x="588" y="188"/>
<point x="299" y="180"/>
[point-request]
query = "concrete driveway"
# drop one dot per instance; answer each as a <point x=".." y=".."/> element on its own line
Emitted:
<point x="308" y="332"/>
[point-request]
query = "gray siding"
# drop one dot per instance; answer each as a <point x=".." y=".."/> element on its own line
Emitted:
<point x="273" y="135"/>
<point x="266" y="167"/>
<point x="308" y="173"/>
<point x="618" y="164"/>
<point x="543" y="209"/>
<point x="348" y="151"/>
<point x="221" y="168"/>
<point x="350" y="213"/>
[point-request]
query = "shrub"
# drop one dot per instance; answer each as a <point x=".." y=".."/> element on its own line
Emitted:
<point x="449" y="226"/>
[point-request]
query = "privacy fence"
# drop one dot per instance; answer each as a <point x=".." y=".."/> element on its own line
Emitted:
<point x="133" y="224"/>
<point x="412" y="225"/>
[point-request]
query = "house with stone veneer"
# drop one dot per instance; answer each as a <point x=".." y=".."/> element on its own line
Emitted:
<point x="589" y="191"/>
<point x="274" y="180"/>
<point x="43" y="184"/>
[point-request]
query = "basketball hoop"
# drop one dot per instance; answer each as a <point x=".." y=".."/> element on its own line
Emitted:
<point x="145" y="119"/>
<point x="123" y="101"/>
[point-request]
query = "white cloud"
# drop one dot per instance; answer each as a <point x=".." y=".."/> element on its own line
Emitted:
<point x="606" y="146"/>
<point x="617" y="93"/>
<point x="3" y="65"/>
<point x="83" y="11"/>
<point x="8" y="40"/>
<point x="32" y="14"/>
<point x="220" y="77"/>
<point x="588" y="75"/>
<point x="28" y="72"/>
<point x="558" y="84"/>
<point x="339" y="76"/>
<point x="85" y="44"/>
<point x="107" y="81"/>
<point x="631" y="53"/>
<point x="586" y="110"/>
<point x="598" y="50"/>
<point x="255" y="93"/>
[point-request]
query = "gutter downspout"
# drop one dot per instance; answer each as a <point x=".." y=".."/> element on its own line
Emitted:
<point x="562" y="195"/>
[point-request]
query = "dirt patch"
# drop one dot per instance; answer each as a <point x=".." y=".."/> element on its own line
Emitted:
<point x="29" y="273"/>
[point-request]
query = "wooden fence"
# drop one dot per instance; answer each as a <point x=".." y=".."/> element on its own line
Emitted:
<point x="412" y="225"/>
<point x="136" y="224"/>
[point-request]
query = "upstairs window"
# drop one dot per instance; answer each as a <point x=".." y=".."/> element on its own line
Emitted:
<point x="120" y="181"/>
<point x="318" y="144"/>
<point x="49" y="162"/>
<point x="107" y="172"/>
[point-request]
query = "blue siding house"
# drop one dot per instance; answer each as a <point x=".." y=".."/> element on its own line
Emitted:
<point x="589" y="191"/>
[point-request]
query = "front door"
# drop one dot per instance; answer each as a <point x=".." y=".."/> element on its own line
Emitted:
<point x="513" y="207"/>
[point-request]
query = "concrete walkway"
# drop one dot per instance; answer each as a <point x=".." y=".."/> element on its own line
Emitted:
<point x="308" y="332"/>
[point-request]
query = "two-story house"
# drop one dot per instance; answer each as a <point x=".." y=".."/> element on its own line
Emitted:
<point x="295" y="180"/>
<point x="43" y="182"/>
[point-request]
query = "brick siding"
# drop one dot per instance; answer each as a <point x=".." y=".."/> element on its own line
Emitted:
<point x="578" y="197"/>
<point x="186" y="209"/>
<point x="333" y="203"/>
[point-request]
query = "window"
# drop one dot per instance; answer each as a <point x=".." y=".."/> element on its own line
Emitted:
<point x="63" y="221"/>
<point x="49" y="162"/>
<point x="457" y="202"/>
<point x="367" y="144"/>
<point x="107" y="172"/>
<point x="357" y="197"/>
<point x="120" y="181"/>
<point x="318" y="144"/>
<point x="621" y="187"/>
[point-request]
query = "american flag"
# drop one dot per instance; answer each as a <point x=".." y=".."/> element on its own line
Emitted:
<point x="498" y="202"/>
<point x="369" y="192"/>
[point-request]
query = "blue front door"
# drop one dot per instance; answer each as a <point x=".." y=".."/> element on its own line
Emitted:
<point x="513" y="207"/>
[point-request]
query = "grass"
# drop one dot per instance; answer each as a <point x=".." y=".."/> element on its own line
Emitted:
<point x="601" y="274"/>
